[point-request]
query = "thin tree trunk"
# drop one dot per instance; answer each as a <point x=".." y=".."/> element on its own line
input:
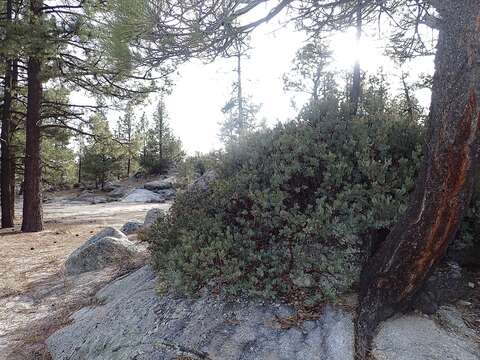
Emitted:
<point x="316" y="83"/>
<point x="32" y="196"/>
<point x="129" y="162"/>
<point x="408" y="98"/>
<point x="80" y="168"/>
<point x="357" y="76"/>
<point x="241" y="120"/>
<point x="443" y="190"/>
<point x="7" y="175"/>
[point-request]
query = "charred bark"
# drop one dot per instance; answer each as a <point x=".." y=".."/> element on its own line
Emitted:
<point x="7" y="176"/>
<point x="32" y="197"/>
<point x="443" y="190"/>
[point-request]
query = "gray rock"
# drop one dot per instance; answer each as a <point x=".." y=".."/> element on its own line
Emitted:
<point x="108" y="247"/>
<point x="110" y="186"/>
<point x="135" y="322"/>
<point x="85" y="195"/>
<point x="98" y="200"/>
<point x="444" y="286"/>
<point x="202" y="182"/>
<point x="131" y="227"/>
<point x="418" y="338"/>
<point x="151" y="217"/>
<point x="168" y="194"/>
<point x="118" y="193"/>
<point x="144" y="196"/>
<point x="162" y="184"/>
<point x="107" y="232"/>
<point x="451" y="318"/>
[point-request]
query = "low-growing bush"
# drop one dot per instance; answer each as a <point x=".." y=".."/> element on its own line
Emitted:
<point x="291" y="208"/>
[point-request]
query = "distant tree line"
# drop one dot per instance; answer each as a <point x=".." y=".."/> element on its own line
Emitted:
<point x="136" y="147"/>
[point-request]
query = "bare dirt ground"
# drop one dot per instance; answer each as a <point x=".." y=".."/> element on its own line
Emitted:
<point x="35" y="296"/>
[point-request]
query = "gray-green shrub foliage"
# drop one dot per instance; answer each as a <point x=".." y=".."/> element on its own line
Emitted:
<point x="292" y="206"/>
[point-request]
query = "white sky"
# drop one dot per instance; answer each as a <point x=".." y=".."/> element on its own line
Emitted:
<point x="201" y="90"/>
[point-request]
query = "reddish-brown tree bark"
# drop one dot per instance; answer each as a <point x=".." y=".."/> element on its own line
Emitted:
<point x="443" y="190"/>
<point x="32" y="195"/>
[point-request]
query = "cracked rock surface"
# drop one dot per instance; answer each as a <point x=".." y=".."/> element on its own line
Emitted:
<point x="134" y="322"/>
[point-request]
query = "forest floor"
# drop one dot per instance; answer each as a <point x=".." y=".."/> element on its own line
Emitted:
<point x="35" y="295"/>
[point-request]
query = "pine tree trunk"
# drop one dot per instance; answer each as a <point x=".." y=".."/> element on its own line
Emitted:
<point x="32" y="196"/>
<point x="443" y="190"/>
<point x="7" y="197"/>
<point x="8" y="168"/>
<point x="79" y="169"/>
<point x="357" y="76"/>
<point x="129" y="162"/>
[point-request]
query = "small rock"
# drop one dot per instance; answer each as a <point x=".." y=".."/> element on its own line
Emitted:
<point x="151" y="217"/>
<point x="144" y="196"/>
<point x="109" y="186"/>
<point x="106" y="248"/>
<point x="163" y="184"/>
<point x="131" y="227"/>
<point x="117" y="193"/>
<point x="451" y="318"/>
<point x="202" y="183"/>
<point x="444" y="286"/>
<point x="471" y="285"/>
<point x="98" y="200"/>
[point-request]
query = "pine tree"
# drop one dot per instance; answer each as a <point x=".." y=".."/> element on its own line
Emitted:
<point x="141" y="135"/>
<point x="309" y="74"/>
<point x="240" y="112"/>
<point x="127" y="136"/>
<point x="103" y="154"/>
<point x="162" y="149"/>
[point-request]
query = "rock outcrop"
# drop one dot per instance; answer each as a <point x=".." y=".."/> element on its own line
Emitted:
<point x="135" y="322"/>
<point x="106" y="248"/>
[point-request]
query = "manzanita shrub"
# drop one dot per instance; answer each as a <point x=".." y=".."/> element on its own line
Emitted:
<point x="291" y="209"/>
